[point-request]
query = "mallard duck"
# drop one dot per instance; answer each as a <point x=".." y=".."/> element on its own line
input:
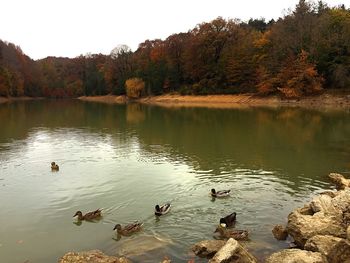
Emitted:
<point x="54" y="166"/>
<point x="221" y="193"/>
<point x="229" y="220"/>
<point x="128" y="229"/>
<point x="228" y="233"/>
<point x="162" y="210"/>
<point x="88" y="216"/>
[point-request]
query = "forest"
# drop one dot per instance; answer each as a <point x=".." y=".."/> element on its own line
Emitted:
<point x="302" y="53"/>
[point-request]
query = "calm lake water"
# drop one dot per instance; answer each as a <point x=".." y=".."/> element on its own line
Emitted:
<point x="125" y="159"/>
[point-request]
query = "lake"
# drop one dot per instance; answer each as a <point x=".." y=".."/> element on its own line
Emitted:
<point x="128" y="158"/>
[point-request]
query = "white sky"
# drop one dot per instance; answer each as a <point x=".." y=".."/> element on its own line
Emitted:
<point x="72" y="27"/>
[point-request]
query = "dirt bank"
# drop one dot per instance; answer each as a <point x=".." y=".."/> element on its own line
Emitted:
<point x="325" y="101"/>
<point x="106" y="99"/>
<point x="232" y="101"/>
<point x="8" y="99"/>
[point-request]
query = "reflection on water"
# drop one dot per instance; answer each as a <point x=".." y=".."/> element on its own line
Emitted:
<point x="126" y="159"/>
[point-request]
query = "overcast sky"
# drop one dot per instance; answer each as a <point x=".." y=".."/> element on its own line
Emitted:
<point x="72" y="27"/>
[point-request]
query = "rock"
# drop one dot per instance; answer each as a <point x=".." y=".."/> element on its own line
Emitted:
<point x="92" y="256"/>
<point x="322" y="244"/>
<point x="340" y="253"/>
<point x="323" y="216"/>
<point x="325" y="204"/>
<point x="329" y="193"/>
<point x="302" y="227"/>
<point x="339" y="180"/>
<point x="348" y="233"/>
<point x="342" y="200"/>
<point x="296" y="256"/>
<point x="279" y="232"/>
<point x="233" y="252"/>
<point x="208" y="248"/>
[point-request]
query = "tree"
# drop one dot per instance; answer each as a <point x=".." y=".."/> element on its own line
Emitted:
<point x="134" y="87"/>
<point x="300" y="78"/>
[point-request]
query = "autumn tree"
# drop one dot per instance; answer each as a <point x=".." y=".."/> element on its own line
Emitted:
<point x="299" y="77"/>
<point x="134" y="87"/>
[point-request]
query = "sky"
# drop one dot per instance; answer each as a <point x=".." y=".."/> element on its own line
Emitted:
<point x="69" y="28"/>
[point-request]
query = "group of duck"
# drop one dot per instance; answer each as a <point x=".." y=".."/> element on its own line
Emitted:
<point x="225" y="227"/>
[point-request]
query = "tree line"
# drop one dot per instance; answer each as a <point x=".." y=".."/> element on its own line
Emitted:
<point x="303" y="52"/>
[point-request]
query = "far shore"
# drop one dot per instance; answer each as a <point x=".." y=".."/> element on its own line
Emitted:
<point x="325" y="100"/>
<point x="9" y="99"/>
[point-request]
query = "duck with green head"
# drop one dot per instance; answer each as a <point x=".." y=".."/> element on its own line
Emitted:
<point x="229" y="220"/>
<point x="162" y="210"/>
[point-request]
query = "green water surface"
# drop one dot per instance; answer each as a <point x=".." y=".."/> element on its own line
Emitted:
<point x="128" y="158"/>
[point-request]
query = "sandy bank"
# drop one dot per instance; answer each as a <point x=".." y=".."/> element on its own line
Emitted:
<point x="105" y="99"/>
<point x="242" y="100"/>
<point x="214" y="101"/>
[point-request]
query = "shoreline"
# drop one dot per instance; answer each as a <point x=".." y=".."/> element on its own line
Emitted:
<point x="10" y="99"/>
<point x="110" y="99"/>
<point x="323" y="101"/>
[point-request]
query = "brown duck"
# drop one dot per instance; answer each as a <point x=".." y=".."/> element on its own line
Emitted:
<point x="228" y="233"/>
<point x="128" y="229"/>
<point x="88" y="216"/>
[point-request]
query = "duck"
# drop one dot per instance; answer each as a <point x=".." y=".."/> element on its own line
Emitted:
<point x="228" y="233"/>
<point x="221" y="193"/>
<point x="88" y="216"/>
<point x="162" y="210"/>
<point x="128" y="229"/>
<point x="54" y="166"/>
<point x="229" y="220"/>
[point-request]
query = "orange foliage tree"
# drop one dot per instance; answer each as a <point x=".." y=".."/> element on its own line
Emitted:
<point x="134" y="87"/>
<point x="300" y="78"/>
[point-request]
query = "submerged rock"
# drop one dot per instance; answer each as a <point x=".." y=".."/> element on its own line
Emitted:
<point x="233" y="252"/>
<point x="92" y="256"/>
<point x="207" y="248"/>
<point x="142" y="245"/>
<point x="280" y="232"/>
<point x="296" y="256"/>
<point x="166" y="260"/>
<point x="339" y="180"/>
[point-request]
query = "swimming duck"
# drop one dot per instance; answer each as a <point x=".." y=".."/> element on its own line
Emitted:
<point x="54" y="166"/>
<point x="228" y="233"/>
<point x="162" y="210"/>
<point x="229" y="220"/>
<point x="221" y="193"/>
<point x="88" y="216"/>
<point x="128" y="229"/>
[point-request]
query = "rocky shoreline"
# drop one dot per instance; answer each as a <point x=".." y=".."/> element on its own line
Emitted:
<point x="320" y="231"/>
